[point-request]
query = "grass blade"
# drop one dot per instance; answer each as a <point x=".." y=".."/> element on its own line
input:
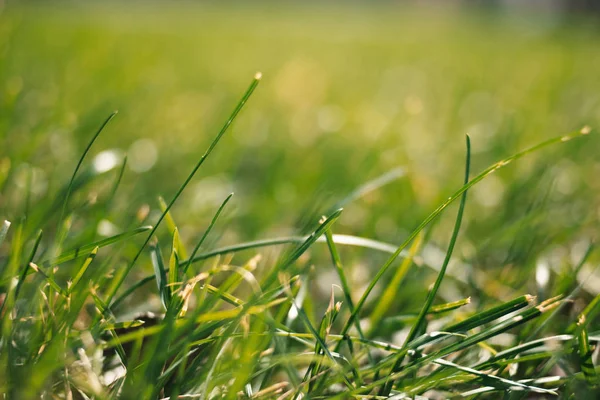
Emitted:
<point x="86" y="249"/>
<point x="82" y="269"/>
<point x="36" y="245"/>
<point x="213" y="144"/>
<point x="206" y="232"/>
<point x="294" y="255"/>
<point x="585" y="355"/>
<point x="87" y="149"/>
<point x="160" y="274"/>
<point x="389" y="293"/>
<point x="371" y="186"/>
<point x="444" y="205"/>
<point x="174" y="261"/>
<point x="438" y="282"/>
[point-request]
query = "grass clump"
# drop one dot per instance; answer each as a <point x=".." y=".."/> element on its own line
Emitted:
<point x="251" y="328"/>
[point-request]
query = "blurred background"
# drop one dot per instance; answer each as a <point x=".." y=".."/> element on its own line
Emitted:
<point x="350" y="91"/>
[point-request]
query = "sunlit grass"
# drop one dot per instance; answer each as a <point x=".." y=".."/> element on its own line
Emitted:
<point x="350" y="262"/>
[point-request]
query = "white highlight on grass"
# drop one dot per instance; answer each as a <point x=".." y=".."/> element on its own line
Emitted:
<point x="542" y="273"/>
<point x="107" y="228"/>
<point x="107" y="160"/>
<point x="143" y="154"/>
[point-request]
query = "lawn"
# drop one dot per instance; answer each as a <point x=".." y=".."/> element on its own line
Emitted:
<point x="362" y="108"/>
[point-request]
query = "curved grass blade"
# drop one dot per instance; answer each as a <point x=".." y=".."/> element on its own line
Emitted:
<point x="490" y="315"/>
<point x="117" y="183"/>
<point x="444" y="205"/>
<point x="86" y="249"/>
<point x="211" y="147"/>
<point x="438" y="282"/>
<point x="337" y="262"/>
<point x="347" y="240"/>
<point x="87" y="149"/>
<point x="371" y="186"/>
<point x="160" y="274"/>
<point x="174" y="261"/>
<point x="294" y="255"/>
<point x="82" y="270"/>
<point x="203" y="238"/>
<point x="36" y="244"/>
<point x="390" y="291"/>
<point x="338" y="239"/>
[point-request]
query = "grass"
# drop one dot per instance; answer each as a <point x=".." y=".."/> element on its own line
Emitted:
<point x="350" y="263"/>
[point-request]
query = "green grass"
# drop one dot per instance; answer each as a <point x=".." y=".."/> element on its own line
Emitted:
<point x="360" y="257"/>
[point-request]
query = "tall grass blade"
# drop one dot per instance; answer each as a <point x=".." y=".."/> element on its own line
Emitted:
<point x="87" y="149"/>
<point x="207" y="153"/>
<point x="86" y="249"/>
<point x="206" y="232"/>
<point x="438" y="282"/>
<point x="444" y="205"/>
<point x="82" y="269"/>
<point x="389" y="294"/>
<point x="160" y="274"/>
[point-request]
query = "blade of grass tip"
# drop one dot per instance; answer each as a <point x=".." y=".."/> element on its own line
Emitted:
<point x="588" y="314"/>
<point x="442" y="308"/>
<point x="87" y="149"/>
<point x="494" y="167"/>
<point x="48" y="279"/>
<point x="206" y="232"/>
<point x="82" y="269"/>
<point x="211" y="147"/>
<point x="438" y="282"/>
<point x="491" y="314"/>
